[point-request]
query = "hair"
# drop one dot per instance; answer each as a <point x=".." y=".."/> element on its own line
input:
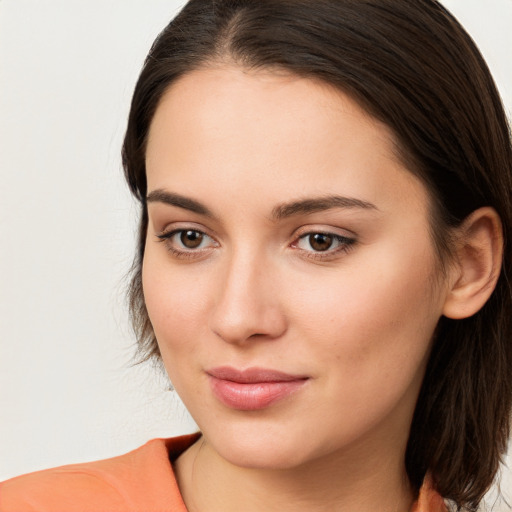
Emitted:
<point x="411" y="65"/>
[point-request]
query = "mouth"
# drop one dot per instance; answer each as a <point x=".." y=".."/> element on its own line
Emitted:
<point x="254" y="388"/>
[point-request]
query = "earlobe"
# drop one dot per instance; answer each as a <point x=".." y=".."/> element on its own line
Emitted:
<point x="478" y="263"/>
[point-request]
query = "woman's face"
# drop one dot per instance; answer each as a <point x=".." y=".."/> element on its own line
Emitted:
<point x="289" y="273"/>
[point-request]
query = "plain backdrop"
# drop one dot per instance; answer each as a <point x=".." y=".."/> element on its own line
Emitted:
<point x="68" y="389"/>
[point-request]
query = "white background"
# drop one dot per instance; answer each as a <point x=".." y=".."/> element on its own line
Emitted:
<point x="68" y="392"/>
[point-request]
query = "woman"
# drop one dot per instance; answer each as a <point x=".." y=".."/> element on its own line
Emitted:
<point x="322" y="267"/>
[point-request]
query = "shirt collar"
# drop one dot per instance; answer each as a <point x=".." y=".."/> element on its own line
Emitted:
<point x="429" y="500"/>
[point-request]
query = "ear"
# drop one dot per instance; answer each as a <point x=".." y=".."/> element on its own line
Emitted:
<point x="477" y="263"/>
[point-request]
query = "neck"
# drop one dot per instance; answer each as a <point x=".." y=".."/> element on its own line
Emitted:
<point x="355" y="481"/>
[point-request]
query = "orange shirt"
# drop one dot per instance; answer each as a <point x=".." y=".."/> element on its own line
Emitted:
<point x="142" y="480"/>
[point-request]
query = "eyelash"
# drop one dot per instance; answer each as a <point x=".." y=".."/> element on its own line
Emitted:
<point x="166" y="238"/>
<point x="345" y="245"/>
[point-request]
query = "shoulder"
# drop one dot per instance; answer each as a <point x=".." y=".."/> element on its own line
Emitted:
<point x="142" y="479"/>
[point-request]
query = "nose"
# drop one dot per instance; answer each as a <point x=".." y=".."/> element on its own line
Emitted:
<point x="247" y="305"/>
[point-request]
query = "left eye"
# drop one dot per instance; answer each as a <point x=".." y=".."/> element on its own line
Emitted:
<point x="322" y="242"/>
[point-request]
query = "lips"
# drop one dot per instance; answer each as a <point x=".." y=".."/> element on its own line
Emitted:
<point x="254" y="388"/>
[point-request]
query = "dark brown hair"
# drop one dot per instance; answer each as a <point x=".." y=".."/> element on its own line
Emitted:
<point x="411" y="65"/>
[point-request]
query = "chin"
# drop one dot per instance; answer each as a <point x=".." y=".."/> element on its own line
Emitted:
<point x="266" y="457"/>
<point x="262" y="446"/>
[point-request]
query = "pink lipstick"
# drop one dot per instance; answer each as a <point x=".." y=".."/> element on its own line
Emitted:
<point x="254" y="388"/>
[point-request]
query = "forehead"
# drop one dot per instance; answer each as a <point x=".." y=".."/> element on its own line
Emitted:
<point x="272" y="133"/>
<point x="204" y="98"/>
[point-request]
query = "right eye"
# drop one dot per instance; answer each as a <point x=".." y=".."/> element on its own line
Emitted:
<point x="186" y="241"/>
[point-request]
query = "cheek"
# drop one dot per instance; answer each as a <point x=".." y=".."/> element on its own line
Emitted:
<point x="174" y="301"/>
<point x="370" y="343"/>
<point x="379" y="317"/>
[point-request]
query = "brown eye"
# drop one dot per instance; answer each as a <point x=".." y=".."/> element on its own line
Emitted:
<point x="324" y="244"/>
<point x="191" y="239"/>
<point x="320" y="241"/>
<point x="188" y="243"/>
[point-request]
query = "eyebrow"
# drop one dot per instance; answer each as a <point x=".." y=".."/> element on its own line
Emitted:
<point x="162" y="196"/>
<point x="285" y="210"/>
<point x="318" y="204"/>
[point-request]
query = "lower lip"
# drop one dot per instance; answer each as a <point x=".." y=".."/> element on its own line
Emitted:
<point x="254" y="395"/>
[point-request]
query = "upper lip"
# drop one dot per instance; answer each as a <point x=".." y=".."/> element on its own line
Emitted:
<point x="252" y="375"/>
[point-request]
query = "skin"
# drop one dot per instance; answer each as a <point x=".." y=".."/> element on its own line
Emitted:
<point x="357" y="320"/>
